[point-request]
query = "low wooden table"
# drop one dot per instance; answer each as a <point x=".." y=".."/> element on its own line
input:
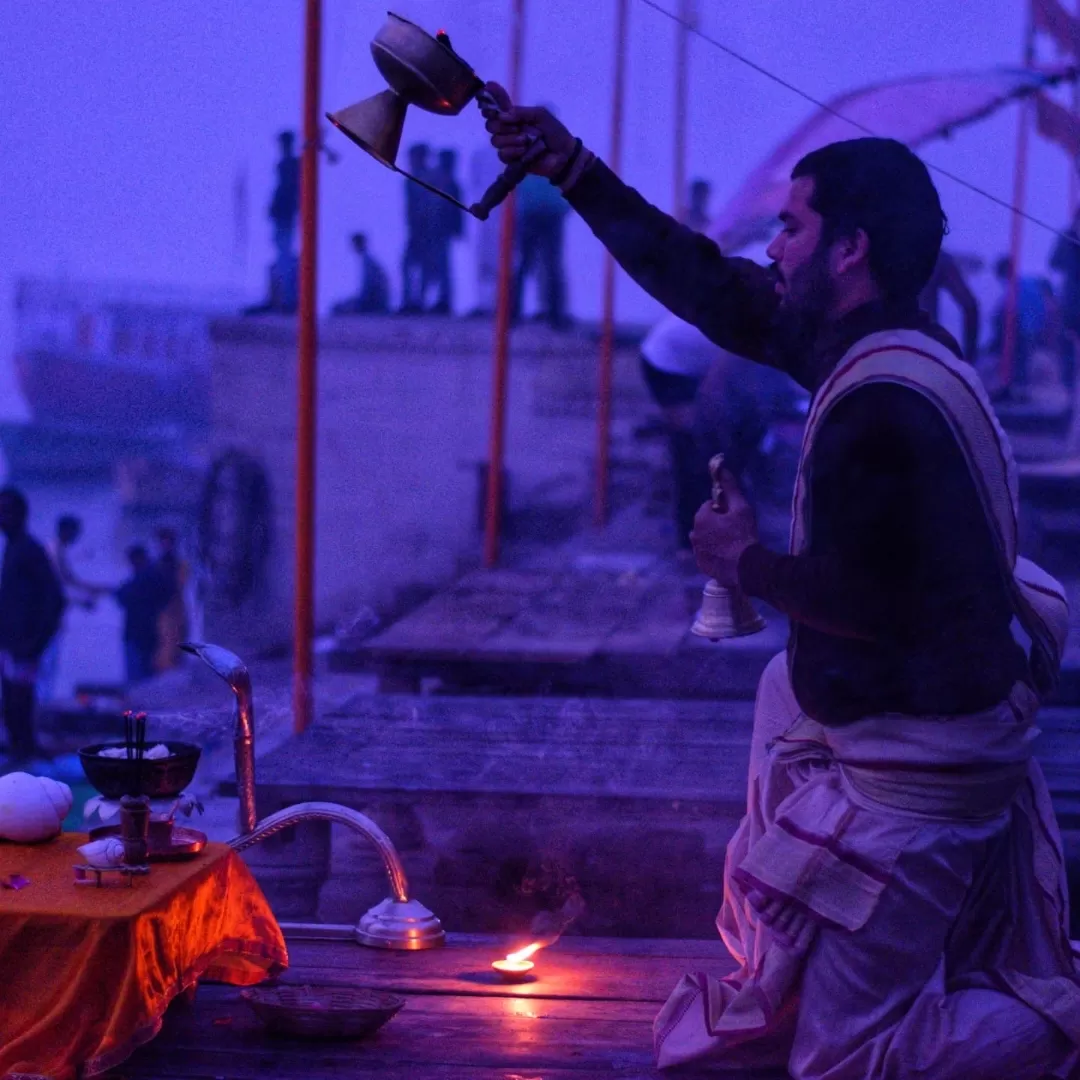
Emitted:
<point x="88" y="972"/>
<point x="588" y="1015"/>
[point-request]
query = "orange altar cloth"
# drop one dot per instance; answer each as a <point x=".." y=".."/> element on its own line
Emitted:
<point x="86" y="973"/>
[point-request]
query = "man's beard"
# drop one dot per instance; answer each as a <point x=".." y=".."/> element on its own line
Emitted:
<point x="807" y="296"/>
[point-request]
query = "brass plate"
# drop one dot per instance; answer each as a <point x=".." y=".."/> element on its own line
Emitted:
<point x="185" y="844"/>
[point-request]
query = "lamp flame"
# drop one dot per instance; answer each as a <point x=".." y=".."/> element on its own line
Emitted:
<point x="524" y="954"/>
<point x="517" y="967"/>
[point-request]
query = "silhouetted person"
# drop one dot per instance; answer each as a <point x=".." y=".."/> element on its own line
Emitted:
<point x="449" y="225"/>
<point x="373" y="291"/>
<point x="173" y="620"/>
<point x="422" y="209"/>
<point x="31" y="607"/>
<point x="285" y="204"/>
<point x="713" y="402"/>
<point x="1052" y="329"/>
<point x="737" y="404"/>
<point x="948" y="278"/>
<point x="77" y="591"/>
<point x="144" y="596"/>
<point x="697" y="209"/>
<point x="1030" y="325"/>
<point x="283" y="291"/>
<point x="1066" y="259"/>
<point x="542" y="213"/>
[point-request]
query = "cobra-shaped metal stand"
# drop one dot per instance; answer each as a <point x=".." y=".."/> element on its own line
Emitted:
<point x="395" y="923"/>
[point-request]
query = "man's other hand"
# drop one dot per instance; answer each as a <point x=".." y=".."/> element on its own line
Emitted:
<point x="720" y="537"/>
<point x="513" y="127"/>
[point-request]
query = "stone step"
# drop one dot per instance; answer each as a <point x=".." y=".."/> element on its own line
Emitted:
<point x="500" y="806"/>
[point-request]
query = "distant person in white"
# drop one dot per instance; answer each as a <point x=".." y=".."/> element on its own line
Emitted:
<point x="713" y="402"/>
<point x="674" y="359"/>
<point x="76" y="591"/>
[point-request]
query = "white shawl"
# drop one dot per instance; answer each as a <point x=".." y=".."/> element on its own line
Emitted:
<point x="913" y="359"/>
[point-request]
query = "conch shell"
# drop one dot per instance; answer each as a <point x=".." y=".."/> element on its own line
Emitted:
<point x="102" y="853"/>
<point x="32" y="808"/>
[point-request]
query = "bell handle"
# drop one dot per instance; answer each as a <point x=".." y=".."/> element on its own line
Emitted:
<point x="719" y="500"/>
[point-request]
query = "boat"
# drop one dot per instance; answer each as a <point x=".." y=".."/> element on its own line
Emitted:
<point x="108" y="372"/>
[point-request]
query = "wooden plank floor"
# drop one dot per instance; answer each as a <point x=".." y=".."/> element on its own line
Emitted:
<point x="588" y="1014"/>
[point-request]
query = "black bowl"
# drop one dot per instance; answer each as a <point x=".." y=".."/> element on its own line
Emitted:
<point x="162" y="778"/>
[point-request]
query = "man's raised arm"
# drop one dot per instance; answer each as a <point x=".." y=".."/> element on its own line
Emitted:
<point x="731" y="300"/>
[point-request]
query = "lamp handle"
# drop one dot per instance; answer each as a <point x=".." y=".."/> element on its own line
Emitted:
<point x="511" y="176"/>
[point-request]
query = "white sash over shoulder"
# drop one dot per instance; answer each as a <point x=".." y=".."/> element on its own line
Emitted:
<point x="913" y="359"/>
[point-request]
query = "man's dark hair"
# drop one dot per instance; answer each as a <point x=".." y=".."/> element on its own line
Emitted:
<point x="883" y="188"/>
<point x="17" y="500"/>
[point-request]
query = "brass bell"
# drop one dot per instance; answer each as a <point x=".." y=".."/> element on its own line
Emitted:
<point x="724" y="613"/>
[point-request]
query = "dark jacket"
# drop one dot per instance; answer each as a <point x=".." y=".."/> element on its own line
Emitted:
<point x="144" y="596"/>
<point x="286" y="200"/>
<point x="31" y="599"/>
<point x="1066" y="258"/>
<point x="900" y="604"/>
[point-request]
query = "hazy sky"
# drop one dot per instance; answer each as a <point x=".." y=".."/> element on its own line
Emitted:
<point x="125" y="124"/>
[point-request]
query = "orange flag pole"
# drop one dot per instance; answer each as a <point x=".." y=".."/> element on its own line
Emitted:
<point x="501" y="359"/>
<point x="303" y="614"/>
<point x="607" y="340"/>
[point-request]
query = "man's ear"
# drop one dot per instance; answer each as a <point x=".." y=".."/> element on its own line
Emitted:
<point x="851" y="250"/>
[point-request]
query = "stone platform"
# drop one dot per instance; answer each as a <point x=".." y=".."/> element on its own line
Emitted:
<point x="591" y="628"/>
<point x="612" y="626"/>
<point x="404" y="407"/>
<point x="503" y="807"/>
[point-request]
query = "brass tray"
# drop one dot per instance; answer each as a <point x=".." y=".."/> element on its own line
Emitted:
<point x="185" y="843"/>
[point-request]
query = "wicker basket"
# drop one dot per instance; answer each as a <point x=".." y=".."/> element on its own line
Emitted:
<point x="322" y="1012"/>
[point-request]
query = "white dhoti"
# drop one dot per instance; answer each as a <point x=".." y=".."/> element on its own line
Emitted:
<point x="896" y="900"/>
<point x="895" y="895"/>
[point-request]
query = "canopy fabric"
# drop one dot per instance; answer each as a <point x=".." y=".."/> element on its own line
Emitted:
<point x="914" y="110"/>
